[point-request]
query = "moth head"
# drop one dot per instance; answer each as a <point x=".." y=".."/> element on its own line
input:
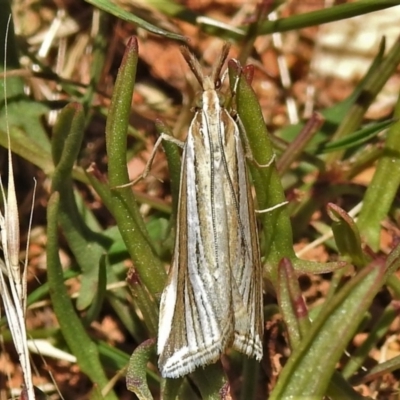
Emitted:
<point x="199" y="100"/>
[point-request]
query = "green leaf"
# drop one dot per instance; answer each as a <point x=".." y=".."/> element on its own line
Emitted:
<point x="347" y="236"/>
<point x="355" y="139"/>
<point x="291" y="303"/>
<point x="211" y="382"/>
<point x="28" y="148"/>
<point x="276" y="224"/>
<point x="120" y="200"/>
<point x="311" y="366"/>
<point x="95" y="308"/>
<point x="119" y="12"/>
<point x="383" y="188"/>
<point x="325" y="15"/>
<point x="88" y="246"/>
<point x="136" y="380"/>
<point x="84" y="349"/>
<point x="145" y="303"/>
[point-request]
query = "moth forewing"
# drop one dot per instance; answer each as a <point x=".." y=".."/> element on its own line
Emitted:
<point x="192" y="330"/>
<point x="244" y="251"/>
<point x="213" y="297"/>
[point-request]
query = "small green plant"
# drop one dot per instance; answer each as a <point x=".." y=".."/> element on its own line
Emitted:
<point x="311" y="342"/>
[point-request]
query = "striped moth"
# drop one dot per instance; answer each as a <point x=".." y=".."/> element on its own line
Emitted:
<point x="213" y="298"/>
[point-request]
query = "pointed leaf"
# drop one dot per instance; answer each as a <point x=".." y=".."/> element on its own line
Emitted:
<point x="346" y="235"/>
<point x="311" y="366"/>
<point x="136" y="380"/>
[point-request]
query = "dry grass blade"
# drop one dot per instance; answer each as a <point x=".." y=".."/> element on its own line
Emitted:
<point x="12" y="284"/>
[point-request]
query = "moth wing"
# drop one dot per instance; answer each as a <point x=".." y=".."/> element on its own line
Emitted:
<point x="245" y="255"/>
<point x="196" y="315"/>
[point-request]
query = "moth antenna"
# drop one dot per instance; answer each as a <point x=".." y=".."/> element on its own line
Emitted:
<point x="193" y="63"/>
<point x="216" y="72"/>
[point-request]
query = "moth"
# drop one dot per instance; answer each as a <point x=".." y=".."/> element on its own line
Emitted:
<point x="213" y="298"/>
